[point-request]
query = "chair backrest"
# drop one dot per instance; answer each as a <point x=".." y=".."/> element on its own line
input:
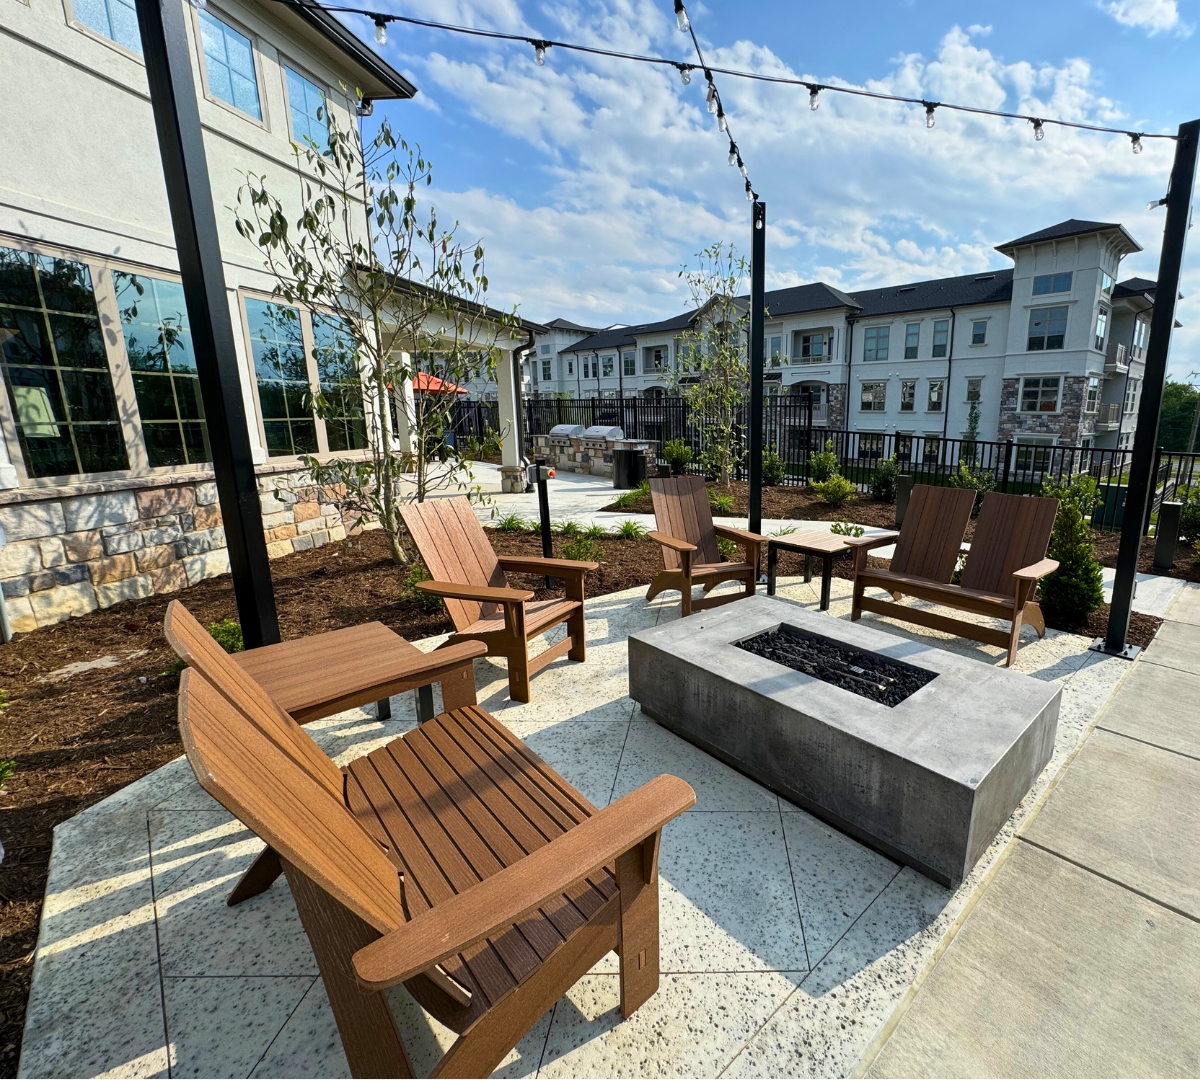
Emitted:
<point x="196" y="648"/>
<point x="934" y="526"/>
<point x="682" y="510"/>
<point x="1012" y="531"/>
<point x="249" y="774"/>
<point x="455" y="549"/>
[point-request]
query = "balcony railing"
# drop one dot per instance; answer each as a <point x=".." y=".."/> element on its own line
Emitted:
<point x="1108" y="417"/>
<point x="1117" y="361"/>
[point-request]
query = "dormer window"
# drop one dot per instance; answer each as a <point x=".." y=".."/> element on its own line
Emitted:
<point x="1051" y="283"/>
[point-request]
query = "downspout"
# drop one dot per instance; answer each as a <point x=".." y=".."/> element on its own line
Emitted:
<point x="946" y="391"/>
<point x="596" y="369"/>
<point x="849" y="364"/>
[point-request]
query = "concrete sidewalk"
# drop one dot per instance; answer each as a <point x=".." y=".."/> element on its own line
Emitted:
<point x="1080" y="958"/>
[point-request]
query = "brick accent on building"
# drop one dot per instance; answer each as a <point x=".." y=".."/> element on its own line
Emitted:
<point x="1070" y="423"/>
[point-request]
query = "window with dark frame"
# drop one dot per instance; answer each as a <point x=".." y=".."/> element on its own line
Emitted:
<point x="941" y="336"/>
<point x="979" y="332"/>
<point x="1039" y="394"/>
<point x="547" y="370"/>
<point x="1047" y="328"/>
<point x="281" y="372"/>
<point x="629" y="363"/>
<point x="875" y="342"/>
<point x="341" y="383"/>
<point x="937" y="391"/>
<point x="912" y="340"/>
<point x="1093" y="395"/>
<point x="974" y="389"/>
<point x="873" y="397"/>
<point x="1101" y="329"/>
<point x="607" y="366"/>
<point x="1051" y="283"/>
<point x="908" y="395"/>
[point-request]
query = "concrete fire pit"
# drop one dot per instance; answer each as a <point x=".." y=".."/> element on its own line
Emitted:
<point x="928" y="780"/>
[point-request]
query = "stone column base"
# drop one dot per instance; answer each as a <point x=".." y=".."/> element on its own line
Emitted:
<point x="512" y="479"/>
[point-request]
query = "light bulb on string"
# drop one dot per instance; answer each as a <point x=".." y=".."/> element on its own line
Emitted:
<point x="539" y="53"/>
<point x="742" y="168"/>
<point x="1135" y="142"/>
<point x="380" y="31"/>
<point x="685" y="74"/>
<point x="749" y="192"/>
<point x="710" y="95"/>
<point x="929" y="120"/>
<point x="733" y="155"/>
<point x="722" y="123"/>
<point x="681" y="17"/>
<point x="814" y="102"/>
<point x="1039" y="132"/>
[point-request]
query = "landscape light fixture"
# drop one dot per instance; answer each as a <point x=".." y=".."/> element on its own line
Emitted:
<point x="814" y="102"/>
<point x="1135" y="141"/>
<point x="929" y="107"/>
<point x="381" y="31"/>
<point x="1038" y="132"/>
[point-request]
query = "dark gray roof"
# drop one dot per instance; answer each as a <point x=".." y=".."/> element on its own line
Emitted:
<point x="1134" y="286"/>
<point x="1065" y="229"/>
<point x="627" y="335"/>
<point x="816" y="296"/>
<point x="987" y="287"/>
<point x="566" y="324"/>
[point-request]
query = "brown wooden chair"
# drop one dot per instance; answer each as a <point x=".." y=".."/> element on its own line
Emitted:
<point x="469" y="577"/>
<point x="453" y="860"/>
<point x="1002" y="569"/>
<point x="689" y="545"/>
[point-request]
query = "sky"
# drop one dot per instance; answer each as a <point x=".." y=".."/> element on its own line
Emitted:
<point x="591" y="181"/>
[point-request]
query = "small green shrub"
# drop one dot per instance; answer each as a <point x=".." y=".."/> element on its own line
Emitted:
<point x="4" y="700"/>
<point x="835" y="491"/>
<point x="567" y="528"/>
<point x="7" y="771"/>
<point x="728" y="549"/>
<point x="785" y="530"/>
<point x="721" y="502"/>
<point x="425" y="601"/>
<point x="228" y="634"/>
<point x="512" y="523"/>
<point x="976" y="480"/>
<point x="584" y="549"/>
<point x="631" y="530"/>
<point x="595" y="532"/>
<point x="773" y="471"/>
<point x="883" y="483"/>
<point x="823" y="465"/>
<point x="1189" y="516"/>
<point x="678" y="455"/>
<point x="846" y="528"/>
<point x="627" y="499"/>
<point x="1074" y="590"/>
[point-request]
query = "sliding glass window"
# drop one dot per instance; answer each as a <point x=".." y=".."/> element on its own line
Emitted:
<point x="163" y="362"/>
<point x="341" y="384"/>
<point x="277" y="346"/>
<point x="55" y="367"/>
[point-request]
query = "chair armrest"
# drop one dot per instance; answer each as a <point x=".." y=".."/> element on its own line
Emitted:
<point x="481" y="593"/>
<point x="670" y="541"/>
<point x="1037" y="570"/>
<point x="868" y="542"/>
<point x="740" y="536"/>
<point x="538" y="564"/>
<point x="504" y="898"/>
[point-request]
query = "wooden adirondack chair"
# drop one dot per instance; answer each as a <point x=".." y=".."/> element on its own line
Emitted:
<point x="453" y="860"/>
<point x="469" y="577"/>
<point x="1003" y="567"/>
<point x="689" y="545"/>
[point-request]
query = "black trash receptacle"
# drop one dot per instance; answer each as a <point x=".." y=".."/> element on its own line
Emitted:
<point x="629" y="468"/>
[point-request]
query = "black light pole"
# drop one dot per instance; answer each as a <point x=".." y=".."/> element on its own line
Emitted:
<point x="181" y="144"/>
<point x="1141" y="465"/>
<point x="758" y="258"/>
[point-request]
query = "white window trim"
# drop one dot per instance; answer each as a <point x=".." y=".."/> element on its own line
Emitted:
<point x="285" y="62"/>
<point x="967" y="389"/>
<point x="929" y="395"/>
<point x="76" y="24"/>
<point x="255" y="51"/>
<point x="1047" y="375"/>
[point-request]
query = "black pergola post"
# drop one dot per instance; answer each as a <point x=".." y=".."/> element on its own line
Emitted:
<point x="189" y="194"/>
<point x="1140" y="491"/>
<point x="758" y="258"/>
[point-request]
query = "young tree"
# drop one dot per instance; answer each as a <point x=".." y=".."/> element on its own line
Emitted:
<point x="398" y="308"/>
<point x="712" y="371"/>
<point x="970" y="436"/>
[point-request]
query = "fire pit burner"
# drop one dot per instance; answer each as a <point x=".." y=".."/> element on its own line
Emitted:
<point x="864" y="673"/>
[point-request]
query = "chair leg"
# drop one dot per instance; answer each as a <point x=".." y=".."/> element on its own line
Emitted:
<point x="369" y="1034"/>
<point x="685" y="607"/>
<point x="1035" y="618"/>
<point x="258" y="877"/>
<point x="637" y="878"/>
<point x="663" y="581"/>
<point x="577" y="628"/>
<point x="856" y="602"/>
<point x="518" y="672"/>
<point x="1014" y="638"/>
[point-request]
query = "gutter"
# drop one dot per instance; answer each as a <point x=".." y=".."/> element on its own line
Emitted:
<point x="946" y="390"/>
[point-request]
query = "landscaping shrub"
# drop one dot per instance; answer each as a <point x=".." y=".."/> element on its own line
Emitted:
<point x="1189" y="517"/>
<point x="728" y="549"/>
<point x="773" y="471"/>
<point x="720" y="502"/>
<point x="975" y="479"/>
<point x="883" y="483"/>
<point x="567" y="528"/>
<point x="823" y="465"/>
<point x="512" y="523"/>
<point x="228" y="634"/>
<point x="631" y="497"/>
<point x="1074" y="590"/>
<point x="595" y="532"/>
<point x="7" y="771"/>
<point x="835" y="491"/>
<point x="584" y="549"/>
<point x="846" y="528"/>
<point x="425" y="601"/>
<point x="631" y="530"/>
<point x="678" y="455"/>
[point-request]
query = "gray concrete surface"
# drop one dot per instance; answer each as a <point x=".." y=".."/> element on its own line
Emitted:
<point x="1160" y="706"/>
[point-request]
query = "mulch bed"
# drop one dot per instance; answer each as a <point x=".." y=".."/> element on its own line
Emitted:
<point x="1187" y="560"/>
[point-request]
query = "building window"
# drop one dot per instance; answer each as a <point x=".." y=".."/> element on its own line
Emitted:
<point x="1034" y="453"/>
<point x="547" y="375"/>
<point x="608" y="367"/>
<point x="277" y="347"/>
<point x="1047" y="328"/>
<point x="908" y="395"/>
<point x="307" y="110"/>
<point x="1040" y="394"/>
<point x="1101" y="329"/>
<point x="937" y="392"/>
<point x="158" y="343"/>
<point x="931" y="450"/>
<point x="545" y="350"/>
<point x="1051" y="283"/>
<point x="776" y="350"/>
<point x="55" y="367"/>
<point x="912" y="340"/>
<point x="629" y="363"/>
<point x="809" y="348"/>
<point x="1093" y="395"/>
<point x="874" y="397"/>
<point x="1141" y="335"/>
<point x="979" y="332"/>
<point x="1106" y="283"/>
<point x="875" y="342"/>
<point x="341" y="383"/>
<point x="1132" y="386"/>
<point x="571" y="367"/>
<point x="229" y="65"/>
<point x="941" y="335"/>
<point x="115" y="19"/>
<point x="654" y="359"/>
<point x="974" y="390"/>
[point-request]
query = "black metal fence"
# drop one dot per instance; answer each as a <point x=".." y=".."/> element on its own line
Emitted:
<point x="792" y="427"/>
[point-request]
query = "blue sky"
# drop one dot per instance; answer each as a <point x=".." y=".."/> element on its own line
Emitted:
<point x="591" y="181"/>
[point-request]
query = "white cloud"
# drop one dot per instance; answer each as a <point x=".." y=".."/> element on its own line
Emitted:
<point x="632" y="176"/>
<point x="1153" y="16"/>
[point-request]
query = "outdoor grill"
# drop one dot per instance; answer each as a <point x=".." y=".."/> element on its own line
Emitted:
<point x="601" y="436"/>
<point x="562" y="434"/>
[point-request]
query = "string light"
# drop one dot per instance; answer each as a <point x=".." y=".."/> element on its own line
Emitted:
<point x="1039" y="132"/>
<point x="750" y="196"/>
<point x="733" y="155"/>
<point x="722" y="123"/>
<point x="1136" y="142"/>
<point x="681" y="17"/>
<point x="381" y="31"/>
<point x="710" y="95"/>
<point x="685" y="74"/>
<point x="742" y="167"/>
<point x="929" y="107"/>
<point x="814" y="102"/>
<point x="539" y="52"/>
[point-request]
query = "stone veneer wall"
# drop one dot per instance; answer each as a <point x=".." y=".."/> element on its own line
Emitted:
<point x="835" y="405"/>
<point x="71" y="550"/>
<point x="1070" y="423"/>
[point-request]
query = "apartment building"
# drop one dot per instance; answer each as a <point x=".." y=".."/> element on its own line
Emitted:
<point x="1049" y="350"/>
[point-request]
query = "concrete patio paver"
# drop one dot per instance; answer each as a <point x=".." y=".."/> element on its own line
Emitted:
<point x="1176" y="645"/>
<point x="1159" y="706"/>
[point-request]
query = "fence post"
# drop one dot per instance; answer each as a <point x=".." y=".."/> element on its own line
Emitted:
<point x="1007" y="464"/>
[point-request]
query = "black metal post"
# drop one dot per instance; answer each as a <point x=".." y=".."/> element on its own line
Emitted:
<point x="543" y="488"/>
<point x="189" y="195"/>
<point x="758" y="258"/>
<point x="1141" y="480"/>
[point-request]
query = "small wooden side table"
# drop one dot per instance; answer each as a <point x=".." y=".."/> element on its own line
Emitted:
<point x="825" y="545"/>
